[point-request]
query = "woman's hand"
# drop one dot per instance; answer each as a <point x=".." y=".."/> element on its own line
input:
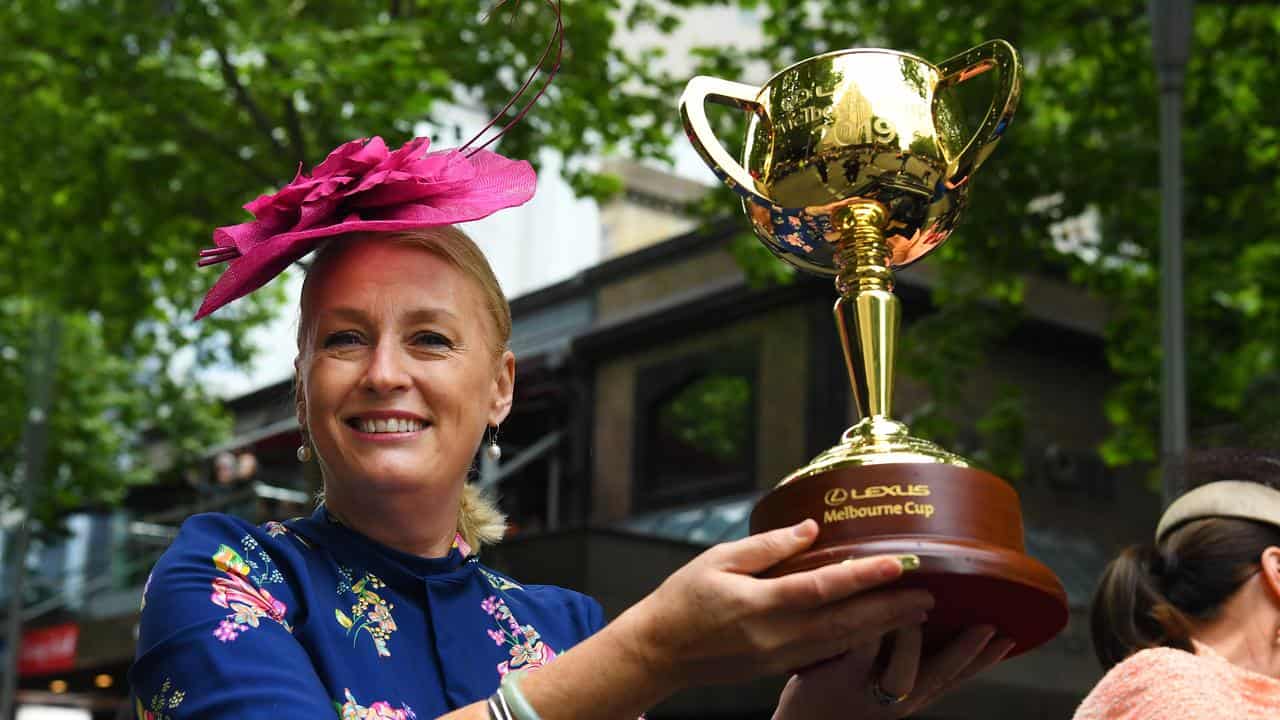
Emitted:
<point x="712" y="621"/>
<point x="861" y="690"/>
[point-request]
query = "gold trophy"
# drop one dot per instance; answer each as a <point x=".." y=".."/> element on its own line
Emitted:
<point x="856" y="164"/>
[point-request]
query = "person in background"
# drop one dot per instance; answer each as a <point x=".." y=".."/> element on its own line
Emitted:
<point x="226" y="491"/>
<point x="1188" y="626"/>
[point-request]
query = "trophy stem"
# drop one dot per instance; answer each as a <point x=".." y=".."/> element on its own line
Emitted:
<point x="862" y="255"/>
<point x="868" y="316"/>
<point x="867" y="313"/>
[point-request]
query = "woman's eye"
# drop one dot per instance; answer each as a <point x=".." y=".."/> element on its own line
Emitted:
<point x="341" y="339"/>
<point x="431" y="340"/>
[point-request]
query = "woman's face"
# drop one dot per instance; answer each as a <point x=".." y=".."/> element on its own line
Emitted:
<point x="399" y="375"/>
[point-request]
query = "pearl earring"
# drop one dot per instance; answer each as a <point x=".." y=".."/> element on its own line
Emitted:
<point x="493" y="450"/>
<point x="304" y="453"/>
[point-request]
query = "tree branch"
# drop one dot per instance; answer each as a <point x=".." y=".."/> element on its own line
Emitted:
<point x="293" y="123"/>
<point x="292" y="119"/>
<point x="257" y="171"/>
<point x="246" y="101"/>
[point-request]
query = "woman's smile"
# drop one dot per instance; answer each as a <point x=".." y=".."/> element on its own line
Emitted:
<point x="387" y="425"/>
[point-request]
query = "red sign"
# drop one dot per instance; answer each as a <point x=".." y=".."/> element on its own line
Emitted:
<point x="48" y="650"/>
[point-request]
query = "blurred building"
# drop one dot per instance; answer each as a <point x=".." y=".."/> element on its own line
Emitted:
<point x="659" y="395"/>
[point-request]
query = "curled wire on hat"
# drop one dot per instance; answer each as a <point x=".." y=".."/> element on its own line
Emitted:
<point x="557" y="42"/>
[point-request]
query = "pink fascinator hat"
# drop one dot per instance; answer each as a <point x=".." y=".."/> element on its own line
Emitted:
<point x="361" y="187"/>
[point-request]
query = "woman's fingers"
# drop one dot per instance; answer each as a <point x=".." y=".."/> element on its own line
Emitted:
<point x="800" y="639"/>
<point x="864" y="618"/>
<point x="941" y="674"/>
<point x="899" y="676"/>
<point x="994" y="652"/>
<point x="825" y="585"/>
<point x="871" y="614"/>
<point x="813" y="657"/>
<point x="756" y="553"/>
<point x="944" y="667"/>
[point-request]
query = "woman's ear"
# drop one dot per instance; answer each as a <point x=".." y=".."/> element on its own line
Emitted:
<point x="1271" y="571"/>
<point x="504" y="386"/>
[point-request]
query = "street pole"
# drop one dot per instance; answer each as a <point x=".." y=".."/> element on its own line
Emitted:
<point x="1171" y="39"/>
<point x="35" y="436"/>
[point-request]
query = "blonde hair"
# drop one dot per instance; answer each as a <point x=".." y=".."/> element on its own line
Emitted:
<point x="480" y="522"/>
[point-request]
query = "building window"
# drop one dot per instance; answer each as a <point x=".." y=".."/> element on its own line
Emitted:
<point x="696" y="423"/>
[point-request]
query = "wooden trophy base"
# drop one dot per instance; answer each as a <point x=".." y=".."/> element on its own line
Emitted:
<point x="964" y="524"/>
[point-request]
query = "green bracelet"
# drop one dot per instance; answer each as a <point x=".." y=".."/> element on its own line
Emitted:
<point x="510" y="690"/>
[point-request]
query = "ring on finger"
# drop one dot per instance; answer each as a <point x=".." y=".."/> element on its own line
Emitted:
<point x="885" y="698"/>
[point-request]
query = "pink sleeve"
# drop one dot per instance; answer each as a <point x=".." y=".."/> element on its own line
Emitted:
<point x="1162" y="683"/>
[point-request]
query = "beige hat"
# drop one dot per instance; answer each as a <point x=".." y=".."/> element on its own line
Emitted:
<point x="1226" y="499"/>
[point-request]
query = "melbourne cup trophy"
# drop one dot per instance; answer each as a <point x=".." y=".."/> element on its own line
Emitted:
<point x="856" y="164"/>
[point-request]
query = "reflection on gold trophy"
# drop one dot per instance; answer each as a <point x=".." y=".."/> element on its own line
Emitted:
<point x="855" y="164"/>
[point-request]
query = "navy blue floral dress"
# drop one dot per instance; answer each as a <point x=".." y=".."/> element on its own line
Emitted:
<point x="309" y="619"/>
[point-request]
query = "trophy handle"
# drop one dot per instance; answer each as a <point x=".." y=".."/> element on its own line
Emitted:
<point x="693" y="112"/>
<point x="991" y="55"/>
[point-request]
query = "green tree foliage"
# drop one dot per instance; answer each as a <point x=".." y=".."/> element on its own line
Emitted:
<point x="1087" y="136"/>
<point x="712" y="415"/>
<point x="132" y="128"/>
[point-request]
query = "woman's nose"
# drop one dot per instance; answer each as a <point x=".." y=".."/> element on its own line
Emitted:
<point x="387" y="371"/>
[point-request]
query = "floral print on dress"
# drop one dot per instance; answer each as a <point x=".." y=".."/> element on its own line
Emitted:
<point x="525" y="647"/>
<point x="352" y="710"/>
<point x="160" y="703"/>
<point x="263" y="571"/>
<point x="497" y="582"/>
<point x="248" y="601"/>
<point x="370" y="614"/>
<point x="275" y="529"/>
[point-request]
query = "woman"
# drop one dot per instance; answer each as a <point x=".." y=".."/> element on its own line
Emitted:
<point x="377" y="606"/>
<point x="1190" y="627"/>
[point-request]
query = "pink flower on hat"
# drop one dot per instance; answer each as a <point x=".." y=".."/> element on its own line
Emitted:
<point x="361" y="187"/>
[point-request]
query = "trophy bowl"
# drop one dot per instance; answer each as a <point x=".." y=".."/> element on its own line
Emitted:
<point x="855" y="164"/>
